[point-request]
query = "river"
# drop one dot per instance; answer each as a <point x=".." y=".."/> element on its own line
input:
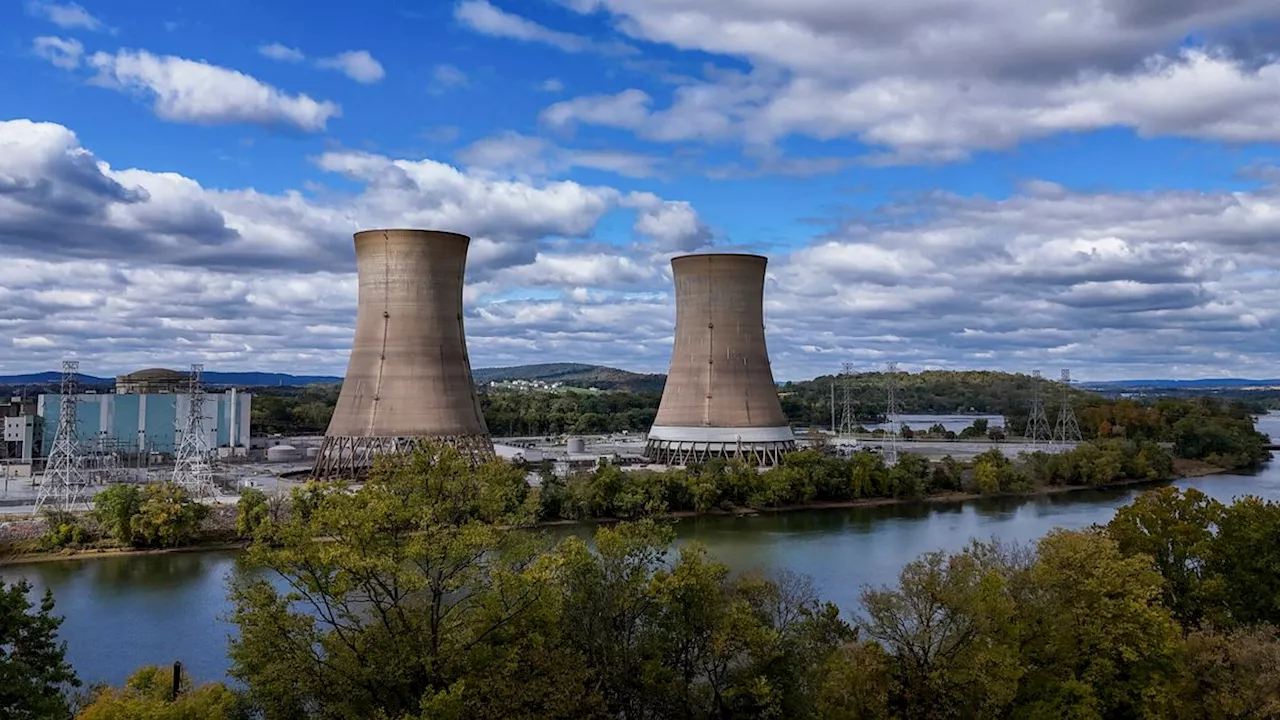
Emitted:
<point x="123" y="612"/>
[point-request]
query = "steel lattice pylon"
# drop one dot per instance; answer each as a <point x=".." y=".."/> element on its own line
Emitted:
<point x="62" y="488"/>
<point x="891" y="412"/>
<point x="847" y="422"/>
<point x="1067" y="431"/>
<point x="1038" y="429"/>
<point x="193" y="460"/>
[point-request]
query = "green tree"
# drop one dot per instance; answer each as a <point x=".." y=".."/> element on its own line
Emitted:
<point x="1175" y="529"/>
<point x="390" y="590"/>
<point x="252" y="509"/>
<point x="147" y="695"/>
<point x="114" y="509"/>
<point x="166" y="517"/>
<point x="34" y="674"/>
<point x="1099" y="644"/>
<point x="1245" y="555"/>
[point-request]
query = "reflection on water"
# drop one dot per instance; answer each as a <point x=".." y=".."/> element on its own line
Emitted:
<point x="123" y="612"/>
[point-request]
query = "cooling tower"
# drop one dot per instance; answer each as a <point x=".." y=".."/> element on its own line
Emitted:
<point x="409" y="378"/>
<point x="720" y="399"/>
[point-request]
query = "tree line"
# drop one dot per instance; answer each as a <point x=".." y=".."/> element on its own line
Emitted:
<point x="425" y="594"/>
<point x="808" y="477"/>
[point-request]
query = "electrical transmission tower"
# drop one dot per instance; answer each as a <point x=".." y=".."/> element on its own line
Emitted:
<point x="1038" y="429"/>
<point x="62" y="488"/>
<point x="1067" y="431"/>
<point x="892" y="412"/>
<point x="847" y="420"/>
<point x="193" y="464"/>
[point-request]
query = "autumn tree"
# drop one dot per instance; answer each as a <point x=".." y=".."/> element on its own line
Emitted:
<point x="148" y="695"/>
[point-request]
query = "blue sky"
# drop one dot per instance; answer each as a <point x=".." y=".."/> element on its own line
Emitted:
<point x="1009" y="184"/>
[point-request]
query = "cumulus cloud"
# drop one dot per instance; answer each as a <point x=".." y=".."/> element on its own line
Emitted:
<point x="887" y="74"/>
<point x="191" y="91"/>
<point x="358" y="65"/>
<point x="482" y="17"/>
<point x="61" y="52"/>
<point x="1168" y="282"/>
<point x="513" y="153"/>
<point x="446" y="77"/>
<point x="284" y="53"/>
<point x="68" y="16"/>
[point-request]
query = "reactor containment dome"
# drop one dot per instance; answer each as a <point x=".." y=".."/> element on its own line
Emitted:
<point x="720" y="400"/>
<point x="409" y="377"/>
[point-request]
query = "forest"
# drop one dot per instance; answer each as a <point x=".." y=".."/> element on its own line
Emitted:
<point x="427" y="594"/>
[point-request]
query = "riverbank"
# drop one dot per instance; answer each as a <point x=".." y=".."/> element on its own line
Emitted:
<point x="1182" y="469"/>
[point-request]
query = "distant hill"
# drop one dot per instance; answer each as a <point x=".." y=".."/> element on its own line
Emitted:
<point x="570" y="374"/>
<point x="212" y="379"/>
<point x="574" y="375"/>
<point x="1203" y="383"/>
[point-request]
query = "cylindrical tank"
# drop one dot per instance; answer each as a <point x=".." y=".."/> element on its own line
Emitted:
<point x="720" y="399"/>
<point x="313" y="453"/>
<point x="282" y="453"/>
<point x="409" y="378"/>
<point x="577" y="445"/>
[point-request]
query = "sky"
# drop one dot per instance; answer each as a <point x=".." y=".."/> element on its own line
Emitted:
<point x="970" y="184"/>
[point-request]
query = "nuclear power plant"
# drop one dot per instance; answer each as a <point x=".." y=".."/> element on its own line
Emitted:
<point x="409" y="377"/>
<point x="720" y="400"/>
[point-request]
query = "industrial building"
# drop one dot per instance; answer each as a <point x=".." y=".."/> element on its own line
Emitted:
<point x="149" y="423"/>
<point x="18" y="434"/>
<point x="153" y="381"/>
<point x="720" y="400"/>
<point x="409" y="376"/>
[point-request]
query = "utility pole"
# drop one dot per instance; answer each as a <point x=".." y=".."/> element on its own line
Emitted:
<point x="1038" y="429"/>
<point x="1067" y="433"/>
<point x="891" y="412"/>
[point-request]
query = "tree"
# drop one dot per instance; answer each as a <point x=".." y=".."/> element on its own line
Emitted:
<point x="1175" y="529"/>
<point x="147" y="695"/>
<point x="34" y="673"/>
<point x="166" y="516"/>
<point x="390" y="590"/>
<point x="252" y="509"/>
<point x="1098" y="643"/>
<point x="1245" y="555"/>
<point x="1229" y="676"/>
<point x="114" y="509"/>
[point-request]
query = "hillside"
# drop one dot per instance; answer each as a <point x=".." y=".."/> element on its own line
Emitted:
<point x="574" y="375"/>
<point x="928" y="392"/>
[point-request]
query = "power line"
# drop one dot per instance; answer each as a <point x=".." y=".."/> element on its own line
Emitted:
<point x="847" y="420"/>
<point x="892" y="412"/>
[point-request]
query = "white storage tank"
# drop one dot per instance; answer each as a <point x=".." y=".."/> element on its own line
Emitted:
<point x="282" y="453"/>
<point x="313" y="453"/>
<point x="577" y="445"/>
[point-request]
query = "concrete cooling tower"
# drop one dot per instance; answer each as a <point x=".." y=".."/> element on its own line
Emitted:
<point x="720" y="399"/>
<point x="409" y="377"/>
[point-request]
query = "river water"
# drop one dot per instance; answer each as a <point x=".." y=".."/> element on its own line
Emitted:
<point x="124" y="612"/>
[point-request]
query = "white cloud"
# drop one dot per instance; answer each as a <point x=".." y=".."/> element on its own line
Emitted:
<point x="445" y="77"/>
<point x="192" y="91"/>
<point x="674" y="225"/>
<point x="68" y="16"/>
<point x="552" y="85"/>
<point x="1110" y="284"/>
<point x="887" y="74"/>
<point x="62" y="52"/>
<point x="358" y="65"/>
<point x="480" y="16"/>
<point x="284" y="53"/>
<point x="513" y="153"/>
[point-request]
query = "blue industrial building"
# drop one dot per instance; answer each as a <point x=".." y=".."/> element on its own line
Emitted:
<point x="151" y="422"/>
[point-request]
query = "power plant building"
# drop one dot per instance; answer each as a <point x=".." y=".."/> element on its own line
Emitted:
<point x="148" y="423"/>
<point x="720" y="400"/>
<point x="408" y="379"/>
